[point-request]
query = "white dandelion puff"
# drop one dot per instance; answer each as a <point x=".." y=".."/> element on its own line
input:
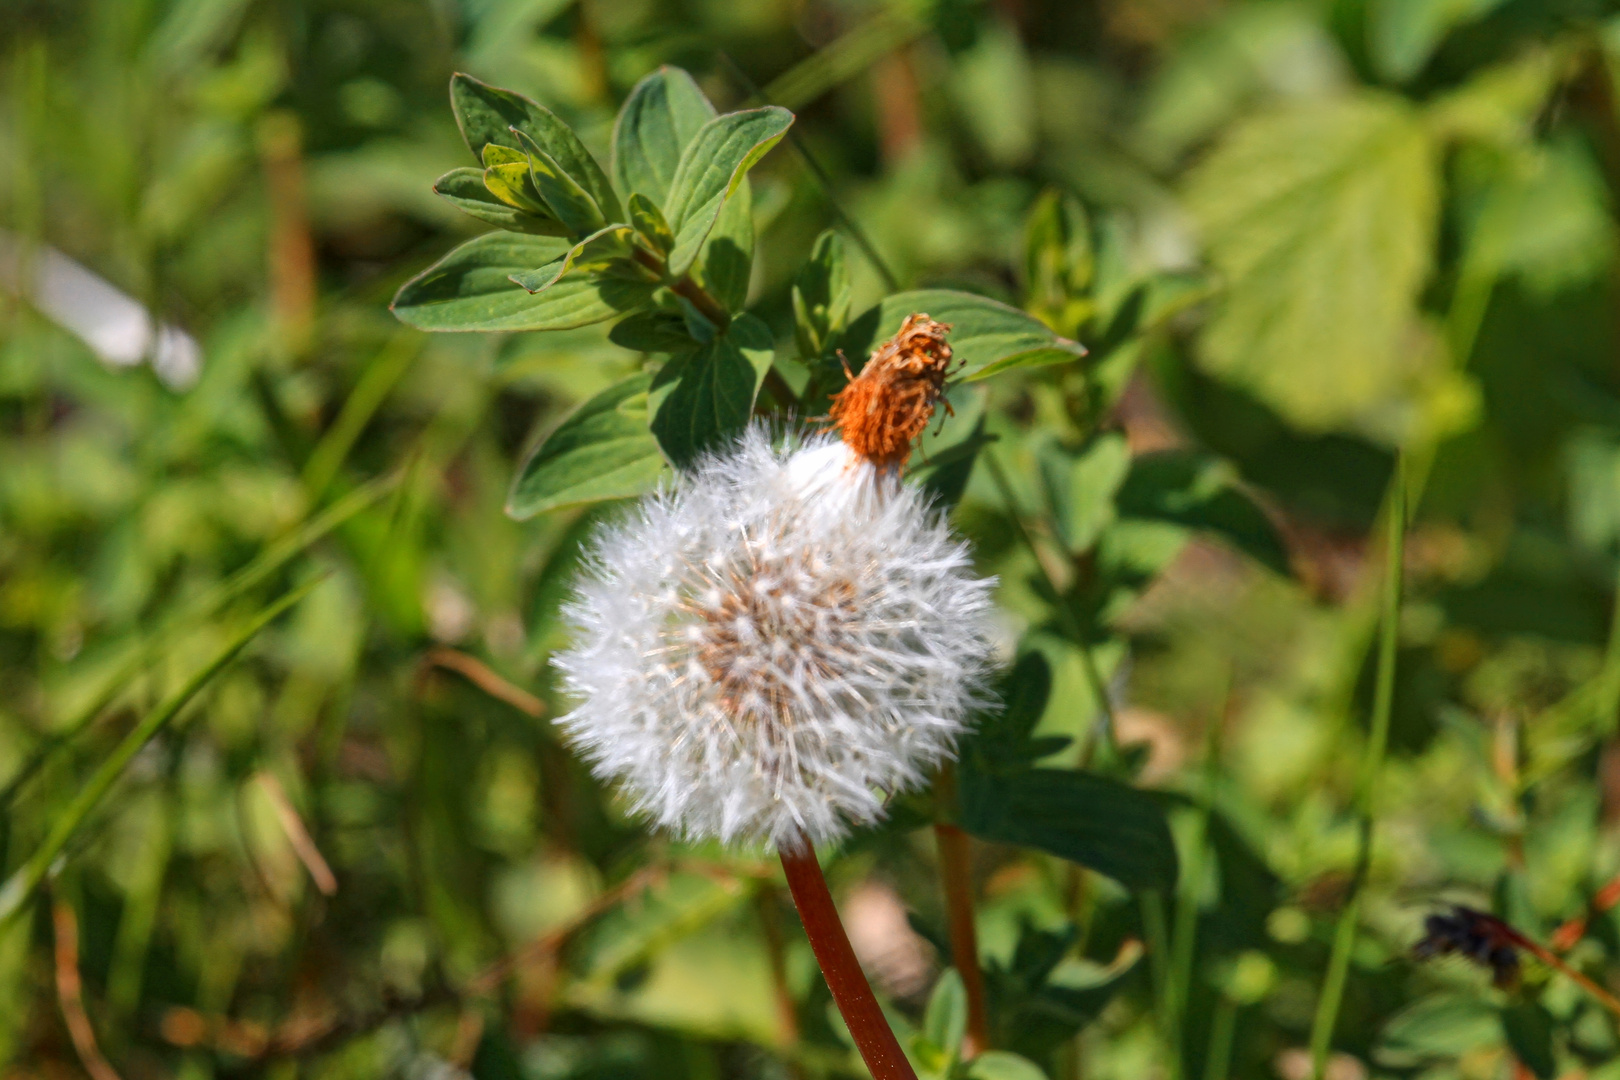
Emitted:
<point x="770" y="646"/>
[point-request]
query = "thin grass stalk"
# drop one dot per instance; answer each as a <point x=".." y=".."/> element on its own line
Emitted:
<point x="850" y="990"/>
<point x="1222" y="1032"/>
<point x="20" y="888"/>
<point x="1368" y="782"/>
<point x="1184" y="936"/>
<point x="273" y="558"/>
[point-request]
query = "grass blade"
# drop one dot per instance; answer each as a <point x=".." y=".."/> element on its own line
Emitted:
<point x="22" y="884"/>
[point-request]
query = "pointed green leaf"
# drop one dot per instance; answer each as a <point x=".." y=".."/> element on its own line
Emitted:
<point x="702" y="399"/>
<point x="1321" y="219"/>
<point x="1002" y="1065"/>
<point x="1201" y="492"/>
<point x="602" y="451"/>
<point x="1108" y="826"/>
<point x="986" y="336"/>
<point x="650" y="224"/>
<point x="572" y="204"/>
<point x="1080" y="486"/>
<point x="653" y="332"/>
<point x="471" y="289"/>
<point x="821" y="296"/>
<point x="945" y="1021"/>
<point x="727" y="261"/>
<point x="487" y="115"/>
<point x="601" y="249"/>
<point x="465" y="189"/>
<point x="659" y="118"/>
<point x="711" y="167"/>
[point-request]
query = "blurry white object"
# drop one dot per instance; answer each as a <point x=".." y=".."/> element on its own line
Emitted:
<point x="116" y="326"/>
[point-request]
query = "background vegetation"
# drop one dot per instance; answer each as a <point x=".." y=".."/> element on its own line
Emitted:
<point x="1302" y="241"/>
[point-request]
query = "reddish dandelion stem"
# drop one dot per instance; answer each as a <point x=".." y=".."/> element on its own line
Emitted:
<point x="850" y="990"/>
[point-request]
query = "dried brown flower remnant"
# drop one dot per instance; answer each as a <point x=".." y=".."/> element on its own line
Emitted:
<point x="891" y="401"/>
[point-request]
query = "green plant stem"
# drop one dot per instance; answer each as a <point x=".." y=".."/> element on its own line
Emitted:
<point x="1222" y="1029"/>
<point x="956" y="879"/>
<point x="1184" y="936"/>
<point x="850" y="990"/>
<point x="1368" y="781"/>
<point x="684" y="287"/>
<point x="16" y="892"/>
<point x="821" y="177"/>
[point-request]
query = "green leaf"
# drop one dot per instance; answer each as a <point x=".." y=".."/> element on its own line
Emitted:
<point x="487" y="115"/>
<point x="466" y="190"/>
<point x="1101" y="823"/>
<point x="659" y="118"/>
<point x="650" y="224"/>
<point x="701" y="400"/>
<point x="1002" y="1065"/>
<point x="1002" y="739"/>
<point x="653" y="332"/>
<point x="727" y="262"/>
<point x="1081" y="487"/>
<point x="1529" y="1030"/>
<point x="603" y="450"/>
<point x="602" y="249"/>
<point x="1403" y="34"/>
<point x="1201" y="492"/>
<point x="1321" y="219"/>
<point x="987" y="336"/>
<point x="1438" y="1027"/>
<point x="945" y="1021"/>
<point x="564" y="195"/>
<point x="821" y="297"/>
<point x="711" y="167"/>
<point x="471" y="289"/>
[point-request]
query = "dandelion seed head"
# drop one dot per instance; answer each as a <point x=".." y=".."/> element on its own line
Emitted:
<point x="772" y="645"/>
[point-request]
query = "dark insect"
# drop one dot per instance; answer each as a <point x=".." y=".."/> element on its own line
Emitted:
<point x="1484" y="939"/>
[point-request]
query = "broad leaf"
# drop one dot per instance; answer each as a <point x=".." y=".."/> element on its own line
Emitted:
<point x="1321" y="219"/>
<point x="487" y="114"/>
<point x="704" y="398"/>
<point x="821" y="296"/>
<point x="471" y="289"/>
<point x="986" y="336"/>
<point x="650" y="224"/>
<point x="1081" y="486"/>
<point x="659" y="118"/>
<point x="1002" y="1065"/>
<point x="653" y="332"/>
<point x="1528" y="1027"/>
<point x="711" y="167"/>
<point x="601" y="249"/>
<point x="1200" y="492"/>
<point x="1002" y="739"/>
<point x="466" y="191"/>
<point x="1108" y="826"/>
<point x="602" y="451"/>
<point x="727" y="262"/>
<point x="945" y="1020"/>
<point x="564" y="196"/>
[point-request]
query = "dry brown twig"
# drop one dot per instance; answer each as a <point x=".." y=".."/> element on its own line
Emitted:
<point x="70" y="993"/>
<point x="484" y="677"/>
<point x="303" y="844"/>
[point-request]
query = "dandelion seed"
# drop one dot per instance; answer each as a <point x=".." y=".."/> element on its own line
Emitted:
<point x="771" y="646"/>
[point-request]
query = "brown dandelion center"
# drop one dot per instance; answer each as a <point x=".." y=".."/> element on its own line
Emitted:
<point x="772" y="638"/>
<point x="891" y="401"/>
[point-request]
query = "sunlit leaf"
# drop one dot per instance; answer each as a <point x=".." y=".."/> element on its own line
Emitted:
<point x="466" y="190"/>
<point x="711" y="167"/>
<point x="487" y="114"/>
<point x="1201" y="492"/>
<point x="704" y="398"/>
<point x="659" y="118"/>
<point x="1321" y="218"/>
<point x="603" y="450"/>
<point x="471" y="289"/>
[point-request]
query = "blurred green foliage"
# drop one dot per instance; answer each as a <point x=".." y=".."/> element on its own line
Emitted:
<point x="1298" y="238"/>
